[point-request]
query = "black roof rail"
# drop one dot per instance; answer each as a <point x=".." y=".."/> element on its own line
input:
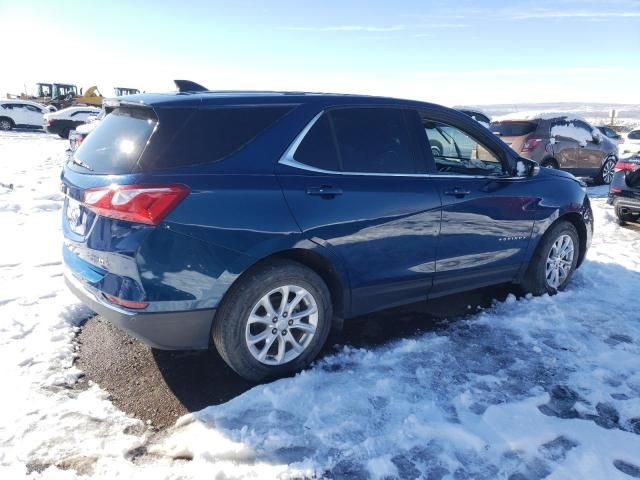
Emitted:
<point x="189" y="86"/>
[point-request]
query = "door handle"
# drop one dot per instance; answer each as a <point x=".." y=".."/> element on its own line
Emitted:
<point x="324" y="191"/>
<point x="457" y="192"/>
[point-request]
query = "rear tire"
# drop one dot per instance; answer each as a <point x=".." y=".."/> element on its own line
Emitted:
<point x="606" y="172"/>
<point x="551" y="267"/>
<point x="244" y="317"/>
<point x="6" y="124"/>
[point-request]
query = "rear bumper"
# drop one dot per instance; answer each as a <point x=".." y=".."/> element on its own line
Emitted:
<point x="186" y="330"/>
<point x="631" y="204"/>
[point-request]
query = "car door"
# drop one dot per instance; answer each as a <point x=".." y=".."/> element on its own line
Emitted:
<point x="353" y="182"/>
<point x="18" y="113"/>
<point x="566" y="149"/>
<point x="33" y="116"/>
<point x="590" y="153"/>
<point x="487" y="215"/>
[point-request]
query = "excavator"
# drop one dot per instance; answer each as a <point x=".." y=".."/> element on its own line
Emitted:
<point x="62" y="95"/>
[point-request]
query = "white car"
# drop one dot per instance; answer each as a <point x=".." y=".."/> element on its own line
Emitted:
<point x="21" y="114"/>
<point x="630" y="142"/>
<point x="64" y="121"/>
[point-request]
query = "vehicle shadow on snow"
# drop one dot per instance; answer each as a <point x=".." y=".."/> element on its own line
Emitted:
<point x="201" y="378"/>
<point x="160" y="386"/>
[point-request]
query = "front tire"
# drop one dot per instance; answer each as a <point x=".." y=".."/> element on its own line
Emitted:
<point x="274" y="321"/>
<point x="6" y="124"/>
<point x="554" y="261"/>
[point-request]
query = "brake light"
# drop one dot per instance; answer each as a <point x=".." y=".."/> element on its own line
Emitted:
<point x="51" y="121"/>
<point x="531" y="144"/>
<point x="147" y="204"/>
<point x="623" y="166"/>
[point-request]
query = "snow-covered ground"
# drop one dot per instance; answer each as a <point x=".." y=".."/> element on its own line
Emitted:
<point x="531" y="388"/>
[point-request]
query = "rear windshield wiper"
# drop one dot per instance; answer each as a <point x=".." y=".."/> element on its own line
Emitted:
<point x="81" y="163"/>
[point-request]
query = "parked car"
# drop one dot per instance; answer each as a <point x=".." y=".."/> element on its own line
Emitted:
<point x="624" y="192"/>
<point x="77" y="136"/>
<point x="67" y="119"/>
<point x="559" y="141"/>
<point x="259" y="221"/>
<point x="630" y="142"/>
<point x="477" y="115"/>
<point x="610" y="133"/>
<point x="21" y="114"/>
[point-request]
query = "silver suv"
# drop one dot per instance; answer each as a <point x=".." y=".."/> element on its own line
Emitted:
<point x="558" y="140"/>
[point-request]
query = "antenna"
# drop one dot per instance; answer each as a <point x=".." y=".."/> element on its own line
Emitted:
<point x="189" y="86"/>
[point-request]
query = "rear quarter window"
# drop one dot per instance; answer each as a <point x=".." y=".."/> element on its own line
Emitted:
<point x="512" y="129"/>
<point x="207" y="135"/>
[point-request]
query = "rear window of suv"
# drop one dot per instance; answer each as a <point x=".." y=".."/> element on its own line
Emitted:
<point x="512" y="129"/>
<point x="115" y="146"/>
<point x="123" y="142"/>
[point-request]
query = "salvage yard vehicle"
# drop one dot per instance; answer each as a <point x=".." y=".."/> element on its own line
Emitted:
<point x="21" y="114"/>
<point x="630" y="142"/>
<point x="624" y="192"/>
<point x="258" y="221"/>
<point x="67" y="119"/>
<point x="120" y="91"/>
<point x="559" y="141"/>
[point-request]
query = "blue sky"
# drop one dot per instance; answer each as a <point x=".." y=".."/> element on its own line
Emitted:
<point x="453" y="53"/>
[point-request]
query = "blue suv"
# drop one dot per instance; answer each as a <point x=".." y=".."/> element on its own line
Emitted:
<point x="258" y="221"/>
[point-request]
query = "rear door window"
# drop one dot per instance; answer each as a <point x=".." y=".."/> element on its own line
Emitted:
<point x="373" y="140"/>
<point x="512" y="129"/>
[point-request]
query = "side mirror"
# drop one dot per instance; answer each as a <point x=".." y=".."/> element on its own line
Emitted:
<point x="597" y="137"/>
<point x="526" y="168"/>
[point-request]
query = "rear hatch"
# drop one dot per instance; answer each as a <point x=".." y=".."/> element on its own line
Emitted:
<point x="133" y="170"/>
<point x="513" y="133"/>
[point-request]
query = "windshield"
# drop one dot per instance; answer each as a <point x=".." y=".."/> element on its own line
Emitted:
<point x="512" y="129"/>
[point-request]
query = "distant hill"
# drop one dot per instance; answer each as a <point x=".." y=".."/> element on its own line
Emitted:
<point x="597" y="113"/>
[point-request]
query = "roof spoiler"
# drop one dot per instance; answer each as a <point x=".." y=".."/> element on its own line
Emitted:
<point x="189" y="86"/>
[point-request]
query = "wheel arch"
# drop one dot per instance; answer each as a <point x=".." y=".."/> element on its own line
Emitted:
<point x="11" y="121"/>
<point x="326" y="268"/>
<point x="577" y="221"/>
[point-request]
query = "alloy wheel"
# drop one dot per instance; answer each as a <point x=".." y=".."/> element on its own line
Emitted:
<point x="281" y="325"/>
<point x="560" y="261"/>
<point x="5" y="125"/>
<point x="608" y="170"/>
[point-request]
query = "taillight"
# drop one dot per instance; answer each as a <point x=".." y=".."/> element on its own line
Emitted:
<point x="126" y="303"/>
<point x="50" y="121"/>
<point x="626" y="166"/>
<point x="147" y="204"/>
<point x="531" y="144"/>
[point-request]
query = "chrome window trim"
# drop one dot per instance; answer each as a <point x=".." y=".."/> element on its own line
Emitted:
<point x="288" y="159"/>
